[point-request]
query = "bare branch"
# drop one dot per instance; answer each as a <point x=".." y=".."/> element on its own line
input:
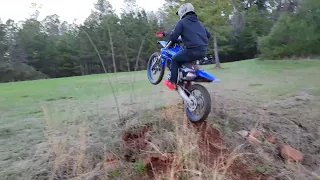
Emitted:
<point x="105" y="70"/>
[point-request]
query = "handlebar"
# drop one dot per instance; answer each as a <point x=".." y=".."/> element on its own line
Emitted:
<point x="169" y="44"/>
<point x="162" y="34"/>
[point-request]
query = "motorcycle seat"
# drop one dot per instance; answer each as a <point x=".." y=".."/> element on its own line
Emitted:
<point x="192" y="64"/>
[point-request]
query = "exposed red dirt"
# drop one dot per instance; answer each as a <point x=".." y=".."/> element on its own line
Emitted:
<point x="110" y="158"/>
<point x="136" y="139"/>
<point x="111" y="162"/>
<point x="271" y="139"/>
<point x="213" y="154"/>
<point x="238" y="170"/>
<point x="210" y="143"/>
<point x="155" y="163"/>
<point x="161" y="164"/>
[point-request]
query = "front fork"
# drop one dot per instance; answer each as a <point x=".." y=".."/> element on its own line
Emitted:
<point x="183" y="94"/>
<point x="182" y="88"/>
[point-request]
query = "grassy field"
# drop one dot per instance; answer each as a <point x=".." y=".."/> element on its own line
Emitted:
<point x="32" y="111"/>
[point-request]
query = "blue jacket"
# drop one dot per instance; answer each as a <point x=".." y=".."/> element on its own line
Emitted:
<point x="193" y="34"/>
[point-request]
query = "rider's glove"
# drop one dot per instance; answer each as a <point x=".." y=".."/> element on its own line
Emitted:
<point x="161" y="34"/>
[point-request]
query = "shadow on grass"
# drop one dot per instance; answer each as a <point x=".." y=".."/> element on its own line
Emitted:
<point x="59" y="98"/>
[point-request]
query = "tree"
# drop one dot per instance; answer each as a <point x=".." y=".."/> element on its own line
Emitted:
<point x="294" y="34"/>
<point x="105" y="12"/>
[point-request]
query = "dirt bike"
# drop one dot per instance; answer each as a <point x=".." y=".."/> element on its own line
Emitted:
<point x="188" y="73"/>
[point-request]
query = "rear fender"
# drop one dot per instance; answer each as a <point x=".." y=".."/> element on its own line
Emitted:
<point x="205" y="76"/>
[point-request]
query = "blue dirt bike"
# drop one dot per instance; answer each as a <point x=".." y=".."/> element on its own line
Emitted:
<point x="198" y="105"/>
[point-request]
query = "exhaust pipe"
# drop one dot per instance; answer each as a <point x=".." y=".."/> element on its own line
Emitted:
<point x="184" y="95"/>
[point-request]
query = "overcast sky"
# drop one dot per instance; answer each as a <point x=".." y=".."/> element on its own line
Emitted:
<point x="66" y="9"/>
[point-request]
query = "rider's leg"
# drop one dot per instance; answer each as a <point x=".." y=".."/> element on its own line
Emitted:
<point x="179" y="58"/>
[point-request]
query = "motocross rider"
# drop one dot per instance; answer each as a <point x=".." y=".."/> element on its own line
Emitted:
<point x="194" y="37"/>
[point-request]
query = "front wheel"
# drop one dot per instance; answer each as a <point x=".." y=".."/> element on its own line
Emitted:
<point x="155" y="66"/>
<point x="200" y="107"/>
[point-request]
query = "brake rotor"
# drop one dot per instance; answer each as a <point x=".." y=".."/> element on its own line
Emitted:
<point x="193" y="105"/>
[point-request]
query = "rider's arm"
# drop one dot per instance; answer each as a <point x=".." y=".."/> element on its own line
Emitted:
<point x="174" y="35"/>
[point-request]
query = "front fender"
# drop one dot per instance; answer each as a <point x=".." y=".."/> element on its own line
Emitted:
<point x="162" y="43"/>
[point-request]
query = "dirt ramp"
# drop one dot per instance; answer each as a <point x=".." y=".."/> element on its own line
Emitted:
<point x="199" y="153"/>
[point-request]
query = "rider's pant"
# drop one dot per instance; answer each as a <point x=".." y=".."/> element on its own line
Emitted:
<point x="182" y="57"/>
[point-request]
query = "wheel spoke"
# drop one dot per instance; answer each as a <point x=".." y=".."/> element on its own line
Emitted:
<point x="199" y="103"/>
<point x="155" y="66"/>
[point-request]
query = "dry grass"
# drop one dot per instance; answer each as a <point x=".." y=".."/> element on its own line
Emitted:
<point x="71" y="155"/>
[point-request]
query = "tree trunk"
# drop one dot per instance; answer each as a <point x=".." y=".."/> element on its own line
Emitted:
<point x="128" y="64"/>
<point x="140" y="49"/>
<point x="112" y="50"/>
<point x="215" y="49"/>
<point x="86" y="68"/>
<point x="81" y="68"/>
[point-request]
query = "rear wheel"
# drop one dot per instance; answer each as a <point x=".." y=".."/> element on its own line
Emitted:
<point x="154" y="67"/>
<point x="199" y="109"/>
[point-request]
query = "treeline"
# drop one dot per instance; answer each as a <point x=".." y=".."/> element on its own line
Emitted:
<point x="242" y="29"/>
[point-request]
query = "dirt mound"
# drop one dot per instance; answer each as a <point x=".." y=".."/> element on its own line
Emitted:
<point x="213" y="154"/>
